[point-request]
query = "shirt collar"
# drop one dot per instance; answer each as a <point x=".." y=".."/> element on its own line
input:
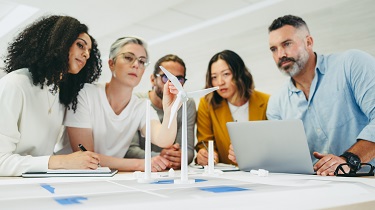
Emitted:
<point x="318" y="68"/>
<point x="320" y="64"/>
<point x="292" y="88"/>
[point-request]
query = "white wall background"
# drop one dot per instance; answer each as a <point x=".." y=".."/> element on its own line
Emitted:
<point x="197" y="29"/>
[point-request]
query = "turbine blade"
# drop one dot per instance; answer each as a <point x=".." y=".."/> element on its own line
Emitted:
<point x="174" y="109"/>
<point x="200" y="93"/>
<point x="173" y="79"/>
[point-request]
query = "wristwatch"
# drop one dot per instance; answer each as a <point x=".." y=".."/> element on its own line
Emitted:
<point x="353" y="161"/>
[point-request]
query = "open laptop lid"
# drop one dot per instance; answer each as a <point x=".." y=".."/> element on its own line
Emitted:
<point x="279" y="146"/>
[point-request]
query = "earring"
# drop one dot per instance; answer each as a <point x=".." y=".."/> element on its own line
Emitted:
<point x="114" y="73"/>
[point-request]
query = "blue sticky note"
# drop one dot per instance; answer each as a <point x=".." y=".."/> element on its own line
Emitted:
<point x="200" y="180"/>
<point x="222" y="189"/>
<point x="48" y="187"/>
<point x="169" y="181"/>
<point x="70" y="200"/>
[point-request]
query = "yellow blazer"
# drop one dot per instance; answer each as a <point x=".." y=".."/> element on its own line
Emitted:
<point x="211" y="123"/>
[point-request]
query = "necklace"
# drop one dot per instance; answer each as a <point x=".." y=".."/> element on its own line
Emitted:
<point x="239" y="113"/>
<point x="49" y="103"/>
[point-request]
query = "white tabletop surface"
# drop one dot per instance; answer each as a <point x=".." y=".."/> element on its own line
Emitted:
<point x="229" y="190"/>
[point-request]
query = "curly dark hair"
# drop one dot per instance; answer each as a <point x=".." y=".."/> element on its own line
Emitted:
<point x="242" y="77"/>
<point x="43" y="47"/>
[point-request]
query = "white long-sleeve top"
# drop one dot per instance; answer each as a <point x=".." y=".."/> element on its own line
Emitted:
<point x="28" y="133"/>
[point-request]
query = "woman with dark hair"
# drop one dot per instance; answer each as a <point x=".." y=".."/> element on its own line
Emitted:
<point x="236" y="100"/>
<point x="47" y="65"/>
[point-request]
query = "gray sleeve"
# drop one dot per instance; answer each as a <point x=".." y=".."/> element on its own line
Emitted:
<point x="137" y="148"/>
<point x="191" y="118"/>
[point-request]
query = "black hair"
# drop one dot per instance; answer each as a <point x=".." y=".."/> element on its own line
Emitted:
<point x="291" y="20"/>
<point x="43" y="47"/>
<point x="242" y="77"/>
<point x="169" y="57"/>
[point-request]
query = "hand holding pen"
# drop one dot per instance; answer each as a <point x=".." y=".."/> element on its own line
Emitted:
<point x="83" y="149"/>
<point x="202" y="156"/>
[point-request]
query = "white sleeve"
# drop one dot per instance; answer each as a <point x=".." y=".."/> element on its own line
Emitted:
<point x="81" y="117"/>
<point x="11" y="106"/>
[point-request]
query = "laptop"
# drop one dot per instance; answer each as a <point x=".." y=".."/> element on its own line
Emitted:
<point x="279" y="146"/>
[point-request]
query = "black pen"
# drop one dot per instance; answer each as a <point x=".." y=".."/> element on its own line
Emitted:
<point x="83" y="149"/>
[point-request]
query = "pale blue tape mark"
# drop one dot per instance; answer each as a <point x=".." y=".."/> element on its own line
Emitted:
<point x="48" y="187"/>
<point x="171" y="181"/>
<point x="70" y="200"/>
<point x="222" y="189"/>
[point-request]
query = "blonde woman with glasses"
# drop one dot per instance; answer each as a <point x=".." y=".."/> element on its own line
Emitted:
<point x="108" y="115"/>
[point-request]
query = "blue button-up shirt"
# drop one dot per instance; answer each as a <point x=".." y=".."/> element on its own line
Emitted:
<point x="341" y="104"/>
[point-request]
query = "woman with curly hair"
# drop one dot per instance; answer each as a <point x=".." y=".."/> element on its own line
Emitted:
<point x="47" y="65"/>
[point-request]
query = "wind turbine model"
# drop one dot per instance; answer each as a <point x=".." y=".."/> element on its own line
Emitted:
<point x="183" y="97"/>
<point x="146" y="178"/>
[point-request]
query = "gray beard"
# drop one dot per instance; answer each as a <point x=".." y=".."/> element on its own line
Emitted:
<point x="291" y="70"/>
<point x="297" y="66"/>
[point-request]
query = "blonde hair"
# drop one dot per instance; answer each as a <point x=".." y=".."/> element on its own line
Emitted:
<point x="120" y="42"/>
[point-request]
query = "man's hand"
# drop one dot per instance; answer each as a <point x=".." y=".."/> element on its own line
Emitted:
<point x="202" y="157"/>
<point x="327" y="164"/>
<point x="173" y="155"/>
<point x="159" y="163"/>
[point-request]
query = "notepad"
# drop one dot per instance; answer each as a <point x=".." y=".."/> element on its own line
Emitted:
<point x="220" y="166"/>
<point x="100" y="171"/>
<point x="226" y="167"/>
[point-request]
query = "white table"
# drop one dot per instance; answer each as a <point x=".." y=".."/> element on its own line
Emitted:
<point x="241" y="190"/>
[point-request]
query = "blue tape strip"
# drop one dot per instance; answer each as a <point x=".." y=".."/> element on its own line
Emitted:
<point x="222" y="189"/>
<point x="171" y="181"/>
<point x="48" y="187"/>
<point x="70" y="200"/>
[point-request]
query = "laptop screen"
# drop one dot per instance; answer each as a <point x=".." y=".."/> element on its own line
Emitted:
<point x="279" y="146"/>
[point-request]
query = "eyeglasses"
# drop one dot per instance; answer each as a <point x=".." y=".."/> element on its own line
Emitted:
<point x="130" y="58"/>
<point x="164" y="78"/>
<point x="366" y="169"/>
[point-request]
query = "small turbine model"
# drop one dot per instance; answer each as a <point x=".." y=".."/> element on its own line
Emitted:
<point x="183" y="97"/>
<point x="146" y="178"/>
